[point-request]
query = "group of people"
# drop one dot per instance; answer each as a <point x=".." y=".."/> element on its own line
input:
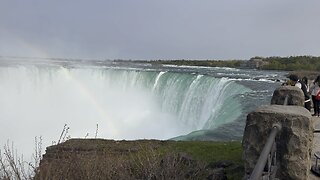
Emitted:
<point x="313" y="89"/>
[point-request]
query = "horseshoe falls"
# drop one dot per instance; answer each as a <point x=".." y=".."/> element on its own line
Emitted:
<point x="116" y="101"/>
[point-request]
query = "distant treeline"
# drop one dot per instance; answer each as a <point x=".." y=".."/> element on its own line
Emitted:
<point x="292" y="63"/>
<point x="210" y="63"/>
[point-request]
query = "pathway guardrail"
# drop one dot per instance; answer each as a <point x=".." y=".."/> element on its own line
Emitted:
<point x="266" y="166"/>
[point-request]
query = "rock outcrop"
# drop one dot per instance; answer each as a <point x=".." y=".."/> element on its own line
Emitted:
<point x="288" y="95"/>
<point x="140" y="159"/>
<point x="293" y="142"/>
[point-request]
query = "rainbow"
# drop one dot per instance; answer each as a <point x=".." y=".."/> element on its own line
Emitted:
<point x="92" y="99"/>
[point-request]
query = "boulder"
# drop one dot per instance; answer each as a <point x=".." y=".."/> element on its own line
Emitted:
<point x="294" y="96"/>
<point x="293" y="142"/>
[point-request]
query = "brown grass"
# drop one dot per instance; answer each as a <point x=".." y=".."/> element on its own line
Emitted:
<point x="142" y="162"/>
<point x="13" y="166"/>
<point x="141" y="159"/>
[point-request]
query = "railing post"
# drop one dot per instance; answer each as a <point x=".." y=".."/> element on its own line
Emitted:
<point x="263" y="158"/>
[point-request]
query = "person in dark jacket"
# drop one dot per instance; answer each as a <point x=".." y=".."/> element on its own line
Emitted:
<point x="294" y="81"/>
<point x="305" y="81"/>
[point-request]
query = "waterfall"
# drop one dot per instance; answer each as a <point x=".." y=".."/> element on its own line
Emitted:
<point x="126" y="103"/>
<point x="157" y="79"/>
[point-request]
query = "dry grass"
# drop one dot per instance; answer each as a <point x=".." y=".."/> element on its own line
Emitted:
<point x="101" y="165"/>
<point x="142" y="159"/>
<point x="13" y="166"/>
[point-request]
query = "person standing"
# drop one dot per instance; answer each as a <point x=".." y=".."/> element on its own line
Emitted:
<point x="305" y="81"/>
<point x="314" y="89"/>
<point x="294" y="81"/>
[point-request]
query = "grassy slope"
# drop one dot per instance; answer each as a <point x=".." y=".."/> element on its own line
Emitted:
<point x="201" y="150"/>
<point x="211" y="152"/>
<point x="152" y="152"/>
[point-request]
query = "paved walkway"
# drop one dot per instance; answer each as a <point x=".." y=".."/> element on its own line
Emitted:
<point x="316" y="145"/>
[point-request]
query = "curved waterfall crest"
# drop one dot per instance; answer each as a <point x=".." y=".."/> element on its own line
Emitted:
<point x="120" y="100"/>
<point x="157" y="79"/>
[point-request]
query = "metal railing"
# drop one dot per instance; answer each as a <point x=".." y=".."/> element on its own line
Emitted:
<point x="285" y="102"/>
<point x="266" y="166"/>
<point x="316" y="131"/>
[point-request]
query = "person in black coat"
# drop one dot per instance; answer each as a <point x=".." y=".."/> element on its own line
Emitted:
<point x="294" y="81"/>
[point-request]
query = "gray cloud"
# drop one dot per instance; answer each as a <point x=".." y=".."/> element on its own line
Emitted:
<point x="148" y="29"/>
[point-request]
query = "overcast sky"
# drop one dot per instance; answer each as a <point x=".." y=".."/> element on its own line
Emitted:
<point x="162" y="29"/>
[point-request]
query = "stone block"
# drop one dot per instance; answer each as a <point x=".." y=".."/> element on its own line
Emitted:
<point x="294" y="141"/>
<point x="294" y="96"/>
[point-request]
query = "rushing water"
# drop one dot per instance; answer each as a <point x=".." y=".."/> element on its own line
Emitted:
<point x="114" y="100"/>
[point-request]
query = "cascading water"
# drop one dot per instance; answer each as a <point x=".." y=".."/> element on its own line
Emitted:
<point x="120" y="99"/>
<point x="197" y="100"/>
<point x="126" y="103"/>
